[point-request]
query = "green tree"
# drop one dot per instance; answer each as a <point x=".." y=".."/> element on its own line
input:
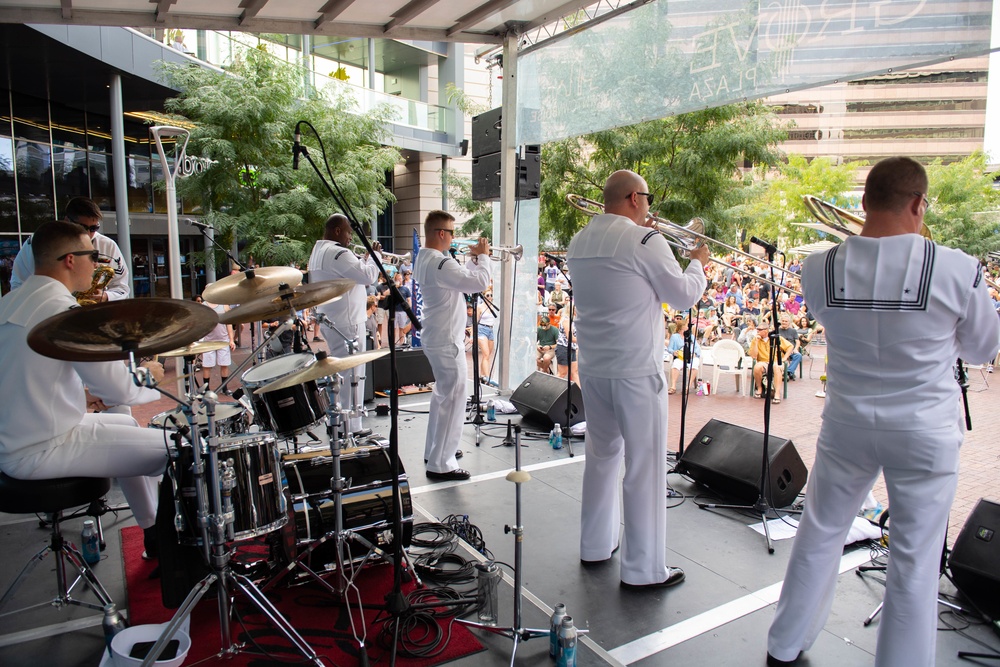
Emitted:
<point x="480" y="220"/>
<point x="965" y="208"/>
<point x="244" y="120"/>
<point x="692" y="163"/>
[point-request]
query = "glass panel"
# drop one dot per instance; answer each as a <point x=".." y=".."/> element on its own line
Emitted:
<point x="9" y="247"/>
<point x="8" y="192"/>
<point x="69" y="166"/>
<point x="31" y="118"/>
<point x="137" y="139"/>
<point x="102" y="181"/>
<point x="98" y="132"/>
<point x="34" y="184"/>
<point x="140" y="191"/>
<point x="677" y="56"/>
<point x="159" y="185"/>
<point x="5" y="123"/>
<point x="140" y="267"/>
<point x="69" y="127"/>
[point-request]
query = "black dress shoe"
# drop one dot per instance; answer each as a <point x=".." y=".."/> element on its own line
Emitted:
<point x="584" y="561"/>
<point x="150" y="544"/>
<point x="456" y="474"/>
<point x="675" y="575"/>
<point x="774" y="662"/>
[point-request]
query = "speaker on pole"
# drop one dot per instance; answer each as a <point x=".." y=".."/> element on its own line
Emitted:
<point x="542" y="398"/>
<point x="726" y="458"/>
<point x="975" y="558"/>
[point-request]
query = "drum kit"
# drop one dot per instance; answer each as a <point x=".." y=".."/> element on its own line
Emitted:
<point x="230" y="479"/>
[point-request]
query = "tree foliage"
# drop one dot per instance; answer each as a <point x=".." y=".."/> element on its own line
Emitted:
<point x="965" y="208"/>
<point x="692" y="163"/>
<point x="244" y="121"/>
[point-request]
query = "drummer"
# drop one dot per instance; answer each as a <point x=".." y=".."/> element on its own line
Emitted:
<point x="333" y="258"/>
<point x="45" y="429"/>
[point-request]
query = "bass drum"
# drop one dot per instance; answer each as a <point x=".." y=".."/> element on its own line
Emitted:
<point x="367" y="500"/>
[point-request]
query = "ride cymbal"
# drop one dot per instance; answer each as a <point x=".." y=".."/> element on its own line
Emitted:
<point x="276" y="306"/>
<point x="109" y="331"/>
<point x="238" y="288"/>
<point x="325" y="366"/>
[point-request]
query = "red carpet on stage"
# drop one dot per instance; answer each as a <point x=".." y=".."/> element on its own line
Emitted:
<point x="313" y="612"/>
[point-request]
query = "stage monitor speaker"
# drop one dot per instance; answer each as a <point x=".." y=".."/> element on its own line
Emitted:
<point x="975" y="558"/>
<point x="486" y="131"/>
<point x="542" y="398"/>
<point x="412" y="366"/>
<point x="726" y="458"/>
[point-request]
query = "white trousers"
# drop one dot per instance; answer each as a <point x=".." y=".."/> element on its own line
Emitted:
<point x="921" y="473"/>
<point x="626" y="418"/>
<point x="103" y="445"/>
<point x="338" y="348"/>
<point x="447" y="411"/>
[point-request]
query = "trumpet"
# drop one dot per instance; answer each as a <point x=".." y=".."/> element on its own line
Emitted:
<point x="391" y="258"/>
<point x="497" y="253"/>
<point x="687" y="237"/>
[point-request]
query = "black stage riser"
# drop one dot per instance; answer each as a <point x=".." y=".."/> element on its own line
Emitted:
<point x="542" y="398"/>
<point x="726" y="458"/>
<point x="975" y="559"/>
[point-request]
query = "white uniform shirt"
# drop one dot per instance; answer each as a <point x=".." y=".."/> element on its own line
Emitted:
<point x="443" y="281"/>
<point x="622" y="273"/>
<point x="24" y="267"/>
<point x="898" y="312"/>
<point x="329" y="261"/>
<point x="46" y="397"/>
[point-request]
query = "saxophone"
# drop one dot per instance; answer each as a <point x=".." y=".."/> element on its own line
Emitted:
<point x="103" y="274"/>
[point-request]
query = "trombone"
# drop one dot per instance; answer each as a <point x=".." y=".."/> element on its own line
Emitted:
<point x="687" y="237"/>
<point x="497" y="253"/>
<point x="391" y="258"/>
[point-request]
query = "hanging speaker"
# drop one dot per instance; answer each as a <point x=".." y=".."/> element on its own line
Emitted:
<point x="542" y="398"/>
<point x="727" y="458"/>
<point x="975" y="558"/>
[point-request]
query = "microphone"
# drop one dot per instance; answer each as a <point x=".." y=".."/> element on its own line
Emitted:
<point x="200" y="225"/>
<point x="770" y="247"/>
<point x="296" y="147"/>
<point x="557" y="260"/>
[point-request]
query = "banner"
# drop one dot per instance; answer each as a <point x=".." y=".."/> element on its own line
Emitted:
<point x="416" y="301"/>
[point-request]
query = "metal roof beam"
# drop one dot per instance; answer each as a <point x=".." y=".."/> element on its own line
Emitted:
<point x="331" y="10"/>
<point x="250" y="9"/>
<point x="408" y="11"/>
<point x="478" y="14"/>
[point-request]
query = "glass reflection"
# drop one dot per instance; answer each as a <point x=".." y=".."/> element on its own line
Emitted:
<point x="34" y="184"/>
<point x="8" y="194"/>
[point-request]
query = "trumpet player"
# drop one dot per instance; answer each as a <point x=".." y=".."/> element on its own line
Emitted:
<point x="622" y="273"/>
<point x="443" y="282"/>
<point x="332" y="258"/>
<point x="85" y="213"/>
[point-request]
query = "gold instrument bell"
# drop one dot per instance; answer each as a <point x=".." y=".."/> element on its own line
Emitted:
<point x="103" y="274"/>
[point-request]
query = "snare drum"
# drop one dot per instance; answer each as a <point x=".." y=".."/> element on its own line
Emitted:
<point x="259" y="505"/>
<point x="367" y="498"/>
<point x="289" y="411"/>
<point x="230" y="419"/>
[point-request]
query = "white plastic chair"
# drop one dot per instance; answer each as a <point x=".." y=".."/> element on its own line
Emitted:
<point x="729" y="359"/>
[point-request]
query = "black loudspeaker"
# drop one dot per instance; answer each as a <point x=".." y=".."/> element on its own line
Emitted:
<point x="726" y="458"/>
<point x="542" y="398"/>
<point x="486" y="175"/>
<point x="975" y="559"/>
<point x="486" y="129"/>
<point x="412" y="366"/>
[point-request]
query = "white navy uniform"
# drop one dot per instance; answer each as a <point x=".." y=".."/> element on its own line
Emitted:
<point x="622" y="273"/>
<point x="45" y="431"/>
<point x="118" y="288"/>
<point x="329" y="261"/>
<point x="443" y="282"/>
<point x="897" y="311"/>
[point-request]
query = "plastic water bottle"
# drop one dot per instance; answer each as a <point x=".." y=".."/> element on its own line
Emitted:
<point x="113" y="623"/>
<point x="555" y="437"/>
<point x="488" y="579"/>
<point x="491" y="411"/>
<point x="567" y="643"/>
<point x="558" y="612"/>
<point x="89" y="547"/>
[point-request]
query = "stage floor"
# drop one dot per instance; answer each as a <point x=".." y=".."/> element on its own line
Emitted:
<point x="718" y="617"/>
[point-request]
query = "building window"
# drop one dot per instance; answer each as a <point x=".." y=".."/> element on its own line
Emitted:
<point x="33" y="169"/>
<point x="888" y="106"/>
<point x="879" y="133"/>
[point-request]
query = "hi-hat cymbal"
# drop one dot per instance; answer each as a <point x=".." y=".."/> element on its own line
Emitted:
<point x="325" y="366"/>
<point x="199" y="347"/>
<point x="109" y="331"/>
<point x="276" y="305"/>
<point x="238" y="288"/>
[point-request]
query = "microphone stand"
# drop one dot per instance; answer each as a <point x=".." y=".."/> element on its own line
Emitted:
<point x="962" y="375"/>
<point x="686" y="362"/>
<point x="396" y="603"/>
<point x="567" y="431"/>
<point x="763" y="506"/>
<point x="476" y="407"/>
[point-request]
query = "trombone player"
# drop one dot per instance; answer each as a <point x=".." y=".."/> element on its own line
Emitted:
<point x="622" y="273"/>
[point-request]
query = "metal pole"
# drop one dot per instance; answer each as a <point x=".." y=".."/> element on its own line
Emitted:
<point x="121" y="182"/>
<point x="508" y="185"/>
<point x="170" y="176"/>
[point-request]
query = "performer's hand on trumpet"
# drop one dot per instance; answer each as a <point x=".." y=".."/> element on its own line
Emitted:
<point x="480" y="248"/>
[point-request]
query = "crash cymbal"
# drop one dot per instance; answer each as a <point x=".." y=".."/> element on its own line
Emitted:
<point x="276" y="305"/>
<point x="109" y="331"/>
<point x="238" y="288"/>
<point x="325" y="366"/>
<point x="198" y="347"/>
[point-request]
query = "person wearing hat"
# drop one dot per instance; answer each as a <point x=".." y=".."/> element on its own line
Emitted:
<point x="760" y="352"/>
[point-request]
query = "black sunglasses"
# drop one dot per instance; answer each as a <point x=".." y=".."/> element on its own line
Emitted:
<point x="450" y="231"/>
<point x="90" y="228"/>
<point x="95" y="256"/>
<point x="648" y="195"/>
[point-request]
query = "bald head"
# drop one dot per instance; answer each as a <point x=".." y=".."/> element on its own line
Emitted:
<point x="338" y="228"/>
<point x="621" y="195"/>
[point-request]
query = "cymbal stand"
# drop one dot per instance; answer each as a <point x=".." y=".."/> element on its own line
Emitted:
<point x="353" y="347"/>
<point x="283" y="327"/>
<point x="516" y="633"/>
<point x="215" y="517"/>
